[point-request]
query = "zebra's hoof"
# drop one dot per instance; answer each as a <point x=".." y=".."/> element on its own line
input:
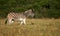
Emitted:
<point x="32" y="23"/>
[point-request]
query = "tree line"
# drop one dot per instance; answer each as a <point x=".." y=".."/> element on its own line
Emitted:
<point x="41" y="8"/>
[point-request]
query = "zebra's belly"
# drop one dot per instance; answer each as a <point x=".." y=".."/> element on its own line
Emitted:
<point x="18" y="19"/>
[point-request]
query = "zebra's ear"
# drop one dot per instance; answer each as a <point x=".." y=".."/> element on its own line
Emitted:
<point x="25" y="11"/>
<point x="28" y="11"/>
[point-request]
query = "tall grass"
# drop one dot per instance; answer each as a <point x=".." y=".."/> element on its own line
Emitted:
<point x="34" y="27"/>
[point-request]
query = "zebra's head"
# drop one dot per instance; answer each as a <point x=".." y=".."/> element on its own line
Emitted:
<point x="29" y="13"/>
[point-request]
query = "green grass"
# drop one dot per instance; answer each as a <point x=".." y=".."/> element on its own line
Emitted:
<point x="34" y="27"/>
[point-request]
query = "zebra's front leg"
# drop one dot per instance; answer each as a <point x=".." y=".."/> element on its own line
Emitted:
<point x="24" y="21"/>
<point x="21" y="22"/>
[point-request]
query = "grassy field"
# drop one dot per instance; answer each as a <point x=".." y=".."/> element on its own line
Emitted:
<point x="34" y="27"/>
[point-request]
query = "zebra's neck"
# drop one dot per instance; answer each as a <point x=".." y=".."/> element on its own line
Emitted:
<point x="25" y="14"/>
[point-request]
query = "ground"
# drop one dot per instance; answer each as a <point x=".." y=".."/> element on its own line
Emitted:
<point x="34" y="27"/>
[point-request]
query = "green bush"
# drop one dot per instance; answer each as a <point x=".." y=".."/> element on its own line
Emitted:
<point x="41" y="8"/>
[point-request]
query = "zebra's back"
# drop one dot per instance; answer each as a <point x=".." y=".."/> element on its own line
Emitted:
<point x="16" y="15"/>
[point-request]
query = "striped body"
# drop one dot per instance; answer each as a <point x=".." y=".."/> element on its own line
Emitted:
<point x="11" y="17"/>
<point x="16" y="17"/>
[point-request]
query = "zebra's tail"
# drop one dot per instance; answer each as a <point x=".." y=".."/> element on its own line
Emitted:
<point x="6" y="21"/>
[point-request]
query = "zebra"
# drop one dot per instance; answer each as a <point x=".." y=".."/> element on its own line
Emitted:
<point x="12" y="16"/>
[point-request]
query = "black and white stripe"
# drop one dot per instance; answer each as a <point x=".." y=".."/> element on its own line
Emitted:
<point x="11" y="17"/>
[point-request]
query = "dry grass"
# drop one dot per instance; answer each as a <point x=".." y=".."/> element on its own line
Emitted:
<point x="34" y="27"/>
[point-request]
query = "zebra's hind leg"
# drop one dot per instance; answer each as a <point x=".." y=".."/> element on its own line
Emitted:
<point x="10" y="21"/>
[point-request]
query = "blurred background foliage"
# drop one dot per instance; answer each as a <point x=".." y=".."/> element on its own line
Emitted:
<point x="41" y="8"/>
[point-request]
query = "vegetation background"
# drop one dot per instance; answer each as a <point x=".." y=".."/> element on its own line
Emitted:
<point x="34" y="27"/>
<point x="41" y="8"/>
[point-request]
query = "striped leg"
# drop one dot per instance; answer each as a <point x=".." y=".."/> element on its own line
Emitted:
<point x="10" y="21"/>
<point x="21" y="22"/>
<point x="24" y="21"/>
